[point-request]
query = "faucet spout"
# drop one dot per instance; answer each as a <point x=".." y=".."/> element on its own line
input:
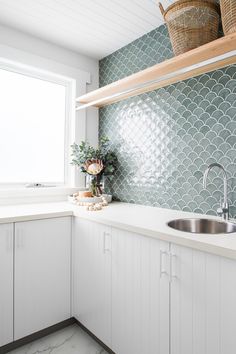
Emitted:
<point x="224" y="210"/>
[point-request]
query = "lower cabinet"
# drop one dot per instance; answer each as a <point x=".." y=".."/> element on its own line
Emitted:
<point x="121" y="288"/>
<point x="92" y="277"/>
<point x="144" y="296"/>
<point x="6" y="281"/>
<point x="42" y="274"/>
<point x="140" y="294"/>
<point x="203" y="303"/>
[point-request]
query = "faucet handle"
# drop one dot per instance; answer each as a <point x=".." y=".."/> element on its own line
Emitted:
<point x="220" y="210"/>
<point x="223" y="210"/>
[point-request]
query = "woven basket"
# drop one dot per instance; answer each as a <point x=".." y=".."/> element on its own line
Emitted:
<point x="191" y="23"/>
<point x="228" y="11"/>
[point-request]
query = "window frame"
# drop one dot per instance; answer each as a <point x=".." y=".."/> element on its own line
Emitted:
<point x="70" y="88"/>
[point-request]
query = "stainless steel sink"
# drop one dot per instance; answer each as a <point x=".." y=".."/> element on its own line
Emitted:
<point x="202" y="226"/>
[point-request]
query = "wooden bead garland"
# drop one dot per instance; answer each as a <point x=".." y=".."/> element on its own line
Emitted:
<point x="94" y="206"/>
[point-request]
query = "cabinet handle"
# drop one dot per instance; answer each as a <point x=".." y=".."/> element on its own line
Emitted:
<point x="162" y="254"/>
<point x="172" y="267"/>
<point x="106" y="237"/>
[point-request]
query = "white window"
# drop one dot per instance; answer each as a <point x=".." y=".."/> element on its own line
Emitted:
<point x="33" y="128"/>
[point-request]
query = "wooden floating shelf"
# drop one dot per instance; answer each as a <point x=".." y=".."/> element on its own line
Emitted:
<point x="209" y="57"/>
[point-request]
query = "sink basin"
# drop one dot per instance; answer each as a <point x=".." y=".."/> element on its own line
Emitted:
<point x="202" y="226"/>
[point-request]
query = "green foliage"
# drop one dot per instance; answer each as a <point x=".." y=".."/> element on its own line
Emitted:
<point x="83" y="152"/>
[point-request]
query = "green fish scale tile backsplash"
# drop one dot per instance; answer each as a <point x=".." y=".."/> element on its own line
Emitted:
<point x="165" y="139"/>
<point x="152" y="48"/>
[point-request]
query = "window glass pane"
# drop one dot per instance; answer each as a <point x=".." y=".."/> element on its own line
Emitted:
<point x="32" y="130"/>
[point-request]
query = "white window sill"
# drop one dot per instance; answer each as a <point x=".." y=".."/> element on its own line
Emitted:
<point x="23" y="195"/>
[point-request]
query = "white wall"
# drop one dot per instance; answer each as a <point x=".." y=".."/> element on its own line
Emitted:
<point x="17" y="46"/>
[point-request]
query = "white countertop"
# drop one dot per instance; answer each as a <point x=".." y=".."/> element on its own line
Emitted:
<point x="148" y="221"/>
<point x="24" y="212"/>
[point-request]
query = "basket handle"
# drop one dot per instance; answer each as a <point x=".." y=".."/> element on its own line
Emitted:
<point x="162" y="9"/>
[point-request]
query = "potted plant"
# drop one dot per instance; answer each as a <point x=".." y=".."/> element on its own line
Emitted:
<point x="94" y="162"/>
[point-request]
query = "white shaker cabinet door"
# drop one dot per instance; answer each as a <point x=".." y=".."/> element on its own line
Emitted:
<point x="6" y="284"/>
<point x="203" y="303"/>
<point x="140" y="294"/>
<point x="92" y="277"/>
<point x="42" y="274"/>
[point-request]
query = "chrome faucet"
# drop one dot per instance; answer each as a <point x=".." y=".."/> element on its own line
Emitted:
<point x="223" y="210"/>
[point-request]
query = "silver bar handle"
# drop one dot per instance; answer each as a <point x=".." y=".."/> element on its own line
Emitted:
<point x="172" y="267"/>
<point x="163" y="271"/>
<point x="106" y="244"/>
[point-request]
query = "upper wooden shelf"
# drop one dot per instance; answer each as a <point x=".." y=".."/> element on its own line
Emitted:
<point x="209" y="57"/>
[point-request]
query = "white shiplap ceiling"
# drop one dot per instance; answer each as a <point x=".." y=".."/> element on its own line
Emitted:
<point x="92" y="27"/>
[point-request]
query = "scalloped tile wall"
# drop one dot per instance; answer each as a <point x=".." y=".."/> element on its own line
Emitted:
<point x="165" y="139"/>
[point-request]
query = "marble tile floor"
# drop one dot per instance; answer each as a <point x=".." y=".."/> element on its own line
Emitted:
<point x="70" y="340"/>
